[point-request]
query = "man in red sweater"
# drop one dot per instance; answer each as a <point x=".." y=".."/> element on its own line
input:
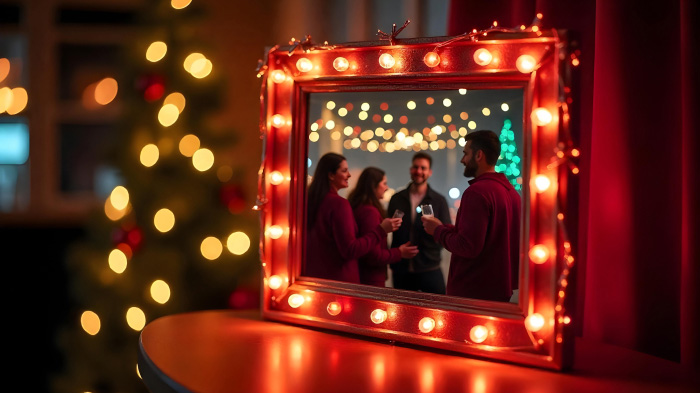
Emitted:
<point x="485" y="239"/>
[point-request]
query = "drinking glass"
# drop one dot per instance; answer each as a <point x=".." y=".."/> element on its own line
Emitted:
<point x="427" y="210"/>
<point x="398" y="214"/>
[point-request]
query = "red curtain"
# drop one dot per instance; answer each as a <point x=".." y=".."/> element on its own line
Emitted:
<point x="636" y="101"/>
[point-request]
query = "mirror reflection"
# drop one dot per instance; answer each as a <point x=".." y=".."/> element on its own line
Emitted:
<point x="388" y="202"/>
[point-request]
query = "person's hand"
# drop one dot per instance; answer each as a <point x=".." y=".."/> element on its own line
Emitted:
<point x="408" y="251"/>
<point x="390" y="224"/>
<point x="430" y="223"/>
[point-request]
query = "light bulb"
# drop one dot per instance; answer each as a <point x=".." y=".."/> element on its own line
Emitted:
<point x="542" y="183"/>
<point x="378" y="316"/>
<point x="539" y="254"/>
<point x="275" y="231"/>
<point x="278" y="120"/>
<point x="426" y="325"/>
<point x="341" y="64"/>
<point x="334" y="308"/>
<point x="478" y="334"/>
<point x="482" y="57"/>
<point x="295" y="300"/>
<point x="275" y="282"/>
<point x="276" y="178"/>
<point x="525" y="64"/>
<point x="534" y="322"/>
<point x="541" y="116"/>
<point x="431" y="59"/>
<point x="386" y="61"/>
<point x="278" y="76"/>
<point x="304" y="65"/>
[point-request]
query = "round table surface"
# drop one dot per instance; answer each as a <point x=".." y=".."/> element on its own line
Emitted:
<point x="228" y="351"/>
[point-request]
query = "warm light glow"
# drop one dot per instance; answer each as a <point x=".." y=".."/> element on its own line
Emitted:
<point x="295" y="300"/>
<point x="188" y="145"/>
<point x="5" y="98"/>
<point x="190" y="59"/>
<point x="541" y="116"/>
<point x="505" y="107"/>
<point x="149" y="155"/>
<point x="180" y="4"/>
<point x="117" y="261"/>
<point x="388" y="118"/>
<point x="478" y="334"/>
<point x="112" y="213"/>
<point x="567" y="320"/>
<point x="364" y="106"/>
<point x="164" y="220"/>
<point x="275" y="232"/>
<point x="334" y="308"/>
<point x="431" y="59"/>
<point x="168" y="115"/>
<point x="426" y="325"/>
<point x="539" y="254"/>
<point x="525" y="64"/>
<point x="486" y="112"/>
<point x="341" y="64"/>
<point x="411" y="105"/>
<point x="534" y="322"/>
<point x="176" y="99"/>
<point x="313" y="137"/>
<point x="156" y="51"/>
<point x="278" y="76"/>
<point x="330" y="124"/>
<point x="106" y="91"/>
<point x="160" y="291"/>
<point x="378" y="316"/>
<point x="482" y="57"/>
<point x="542" y="183"/>
<point x="276" y="178"/>
<point x="386" y="61"/>
<point x="447" y="102"/>
<point x="136" y="318"/>
<point x="238" y="243"/>
<point x="203" y="159"/>
<point x="90" y="322"/>
<point x="4" y="68"/>
<point x="201" y="68"/>
<point x="211" y="248"/>
<point x="342" y="112"/>
<point x="575" y="152"/>
<point x="304" y="65"/>
<point x="119" y="197"/>
<point x="275" y="282"/>
<point x="278" y="120"/>
<point x="19" y="101"/>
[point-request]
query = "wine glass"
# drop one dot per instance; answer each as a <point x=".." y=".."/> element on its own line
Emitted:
<point x="398" y="214"/>
<point x="427" y="210"/>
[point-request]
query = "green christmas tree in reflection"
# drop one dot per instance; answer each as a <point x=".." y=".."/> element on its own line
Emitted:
<point x="509" y="162"/>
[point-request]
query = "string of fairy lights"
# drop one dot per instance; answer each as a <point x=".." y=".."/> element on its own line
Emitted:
<point x="13" y="100"/>
<point x="118" y="205"/>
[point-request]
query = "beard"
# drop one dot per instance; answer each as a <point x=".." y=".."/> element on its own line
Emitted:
<point x="470" y="168"/>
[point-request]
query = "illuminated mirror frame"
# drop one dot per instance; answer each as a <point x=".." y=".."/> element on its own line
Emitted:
<point x="536" y="331"/>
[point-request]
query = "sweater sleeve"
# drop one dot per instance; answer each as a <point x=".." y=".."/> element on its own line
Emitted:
<point x="467" y="237"/>
<point x="369" y="218"/>
<point x="344" y="229"/>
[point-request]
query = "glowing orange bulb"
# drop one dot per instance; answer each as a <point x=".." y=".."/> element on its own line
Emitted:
<point x="483" y="57"/>
<point x="542" y="183"/>
<point x="295" y="300"/>
<point x="426" y="325"/>
<point x="525" y="64"/>
<point x="575" y="152"/>
<point x="304" y="65"/>
<point x="431" y="59"/>
<point x="334" y="308"/>
<point x="386" y="61"/>
<point x="539" y="254"/>
<point x="275" y="231"/>
<point x="575" y="62"/>
<point x="276" y="178"/>
<point x="575" y="171"/>
<point x="278" y="76"/>
<point x="567" y="320"/>
<point x="541" y="116"/>
<point x="341" y="64"/>
<point x="275" y="282"/>
<point x="478" y="334"/>
<point x="278" y="120"/>
<point x="534" y="322"/>
<point x="378" y="316"/>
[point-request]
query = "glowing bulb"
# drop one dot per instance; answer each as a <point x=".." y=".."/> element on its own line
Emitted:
<point x="275" y="282"/>
<point x="541" y="117"/>
<point x="156" y="51"/>
<point x="201" y="68"/>
<point x="575" y="152"/>
<point x="426" y="325"/>
<point x="411" y="105"/>
<point x="238" y="243"/>
<point x="341" y="64"/>
<point x="119" y="197"/>
<point x="482" y="57"/>
<point x="334" y="308"/>
<point x="90" y="322"/>
<point x="211" y="248"/>
<point x="525" y="64"/>
<point x="505" y="107"/>
<point x="168" y="115"/>
<point x="176" y="99"/>
<point x="275" y="231"/>
<point x="431" y="59"/>
<point x="534" y="322"/>
<point x="188" y="145"/>
<point x="304" y="65"/>
<point x="295" y="300"/>
<point x="539" y="254"/>
<point x="276" y="178"/>
<point x="478" y="334"/>
<point x="378" y="316"/>
<point x="542" y="183"/>
<point x="149" y="155"/>
<point x="106" y="91"/>
<point x="278" y="76"/>
<point x="117" y="261"/>
<point x="136" y="318"/>
<point x="190" y="59"/>
<point x="203" y="159"/>
<point x="454" y="193"/>
<point x="164" y="220"/>
<point x="278" y="120"/>
<point x="160" y="291"/>
<point x="386" y="61"/>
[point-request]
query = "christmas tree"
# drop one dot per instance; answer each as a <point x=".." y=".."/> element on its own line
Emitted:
<point x="177" y="234"/>
<point x="509" y="162"/>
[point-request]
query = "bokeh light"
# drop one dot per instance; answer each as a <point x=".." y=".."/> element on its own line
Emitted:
<point x="203" y="159"/>
<point x="19" y="101"/>
<point x="106" y="91"/>
<point x="149" y="155"/>
<point x="168" y="115"/>
<point x="180" y="4"/>
<point x="135" y="318"/>
<point x="164" y="220"/>
<point x="188" y="145"/>
<point x="160" y="291"/>
<point x="156" y="51"/>
<point x="238" y="243"/>
<point x="201" y="68"/>
<point x="4" y="68"/>
<point x="119" y="197"/>
<point x="177" y="99"/>
<point x="90" y="322"/>
<point x="117" y="261"/>
<point x="211" y="248"/>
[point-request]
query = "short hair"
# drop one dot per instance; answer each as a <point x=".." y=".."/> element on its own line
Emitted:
<point x="487" y="141"/>
<point x="424" y="155"/>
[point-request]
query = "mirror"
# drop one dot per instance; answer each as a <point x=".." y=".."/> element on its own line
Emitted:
<point x="384" y="130"/>
<point x="523" y="68"/>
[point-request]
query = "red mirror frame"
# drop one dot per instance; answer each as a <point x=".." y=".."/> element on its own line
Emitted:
<point x="538" y="330"/>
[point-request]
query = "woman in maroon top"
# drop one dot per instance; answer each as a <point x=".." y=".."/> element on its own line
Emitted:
<point x="332" y="244"/>
<point x="369" y="212"/>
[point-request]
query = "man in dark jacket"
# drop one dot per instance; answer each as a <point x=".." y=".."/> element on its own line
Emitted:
<point x="485" y="239"/>
<point x="422" y="272"/>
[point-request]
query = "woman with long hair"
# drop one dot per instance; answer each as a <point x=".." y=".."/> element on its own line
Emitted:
<point x="368" y="211"/>
<point x="332" y="244"/>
